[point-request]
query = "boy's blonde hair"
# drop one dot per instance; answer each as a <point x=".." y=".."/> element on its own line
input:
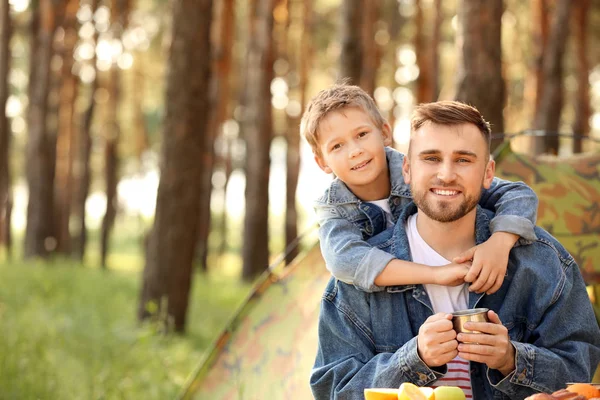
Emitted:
<point x="337" y="97"/>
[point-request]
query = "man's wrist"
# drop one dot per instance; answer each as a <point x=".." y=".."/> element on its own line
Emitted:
<point x="510" y="364"/>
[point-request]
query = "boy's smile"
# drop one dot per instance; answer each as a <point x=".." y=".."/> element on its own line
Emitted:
<point x="353" y="148"/>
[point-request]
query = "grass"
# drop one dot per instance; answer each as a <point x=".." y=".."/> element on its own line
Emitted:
<point x="69" y="332"/>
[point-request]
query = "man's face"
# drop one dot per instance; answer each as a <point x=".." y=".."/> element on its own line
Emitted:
<point x="446" y="167"/>
<point x="353" y="148"/>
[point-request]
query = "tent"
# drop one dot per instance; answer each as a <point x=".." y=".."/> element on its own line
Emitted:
<point x="268" y="349"/>
<point x="569" y="200"/>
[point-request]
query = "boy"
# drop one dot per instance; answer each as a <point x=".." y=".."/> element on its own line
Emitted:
<point x="349" y="137"/>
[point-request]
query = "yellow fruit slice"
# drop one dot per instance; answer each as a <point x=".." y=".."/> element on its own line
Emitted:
<point x="409" y="391"/>
<point x="381" y="394"/>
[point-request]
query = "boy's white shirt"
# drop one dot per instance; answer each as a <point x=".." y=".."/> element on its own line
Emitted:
<point x="384" y="204"/>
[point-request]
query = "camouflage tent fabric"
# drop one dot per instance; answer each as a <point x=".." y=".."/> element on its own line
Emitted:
<point x="269" y="348"/>
<point x="569" y="200"/>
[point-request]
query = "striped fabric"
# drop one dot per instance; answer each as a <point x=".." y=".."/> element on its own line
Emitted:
<point x="458" y="375"/>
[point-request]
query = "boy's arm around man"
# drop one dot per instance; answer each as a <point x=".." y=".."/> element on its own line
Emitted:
<point x="352" y="260"/>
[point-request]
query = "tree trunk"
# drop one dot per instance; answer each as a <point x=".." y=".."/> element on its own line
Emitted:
<point x="112" y="132"/>
<point x="480" y="81"/>
<point x="427" y="53"/>
<point x="372" y="53"/>
<point x="257" y="133"/>
<point x="581" y="125"/>
<point x="170" y="251"/>
<point x="548" y="116"/>
<point x="41" y="146"/>
<point x="220" y="109"/>
<point x="83" y="173"/>
<point x="424" y="52"/>
<point x="5" y="185"/>
<point x="140" y="128"/>
<point x="351" y="58"/>
<point x="226" y="160"/>
<point x="66" y="131"/>
<point x="302" y="61"/>
<point x="539" y="34"/>
<point x="394" y="21"/>
<point x="435" y="54"/>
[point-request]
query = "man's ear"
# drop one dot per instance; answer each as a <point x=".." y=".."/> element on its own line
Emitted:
<point x="406" y="169"/>
<point x="386" y="133"/>
<point x="321" y="163"/>
<point x="490" y="171"/>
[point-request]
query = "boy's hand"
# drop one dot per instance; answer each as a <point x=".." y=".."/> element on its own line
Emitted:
<point x="452" y="274"/>
<point x="490" y="260"/>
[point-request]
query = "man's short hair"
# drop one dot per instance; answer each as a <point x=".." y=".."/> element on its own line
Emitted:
<point x="337" y="97"/>
<point x="450" y="113"/>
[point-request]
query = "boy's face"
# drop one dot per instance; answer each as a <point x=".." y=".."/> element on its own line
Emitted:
<point x="353" y="148"/>
<point x="446" y="168"/>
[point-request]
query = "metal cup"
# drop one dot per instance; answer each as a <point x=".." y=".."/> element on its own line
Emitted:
<point x="471" y="315"/>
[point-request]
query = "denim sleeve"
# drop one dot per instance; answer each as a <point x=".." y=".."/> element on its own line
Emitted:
<point x="348" y="257"/>
<point x="347" y="361"/>
<point x="566" y="346"/>
<point x="515" y="205"/>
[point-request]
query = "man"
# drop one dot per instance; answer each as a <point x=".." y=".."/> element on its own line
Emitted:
<point x="541" y="331"/>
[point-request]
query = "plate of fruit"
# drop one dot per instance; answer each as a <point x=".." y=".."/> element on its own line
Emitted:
<point x="409" y="391"/>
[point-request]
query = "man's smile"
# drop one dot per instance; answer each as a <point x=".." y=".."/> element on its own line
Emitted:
<point x="445" y="192"/>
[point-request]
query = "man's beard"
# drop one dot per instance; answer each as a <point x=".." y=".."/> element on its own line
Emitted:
<point x="444" y="211"/>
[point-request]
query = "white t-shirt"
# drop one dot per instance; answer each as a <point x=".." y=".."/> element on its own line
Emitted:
<point x="445" y="299"/>
<point x="385" y="206"/>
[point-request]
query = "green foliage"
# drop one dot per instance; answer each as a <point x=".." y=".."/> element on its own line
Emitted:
<point x="71" y="333"/>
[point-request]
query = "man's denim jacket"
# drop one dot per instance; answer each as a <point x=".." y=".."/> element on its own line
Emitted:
<point x="346" y="222"/>
<point x="369" y="339"/>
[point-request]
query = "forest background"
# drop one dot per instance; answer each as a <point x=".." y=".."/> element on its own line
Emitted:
<point x="151" y="165"/>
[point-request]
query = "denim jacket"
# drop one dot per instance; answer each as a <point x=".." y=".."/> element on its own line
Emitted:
<point x="369" y="339"/>
<point x="346" y="222"/>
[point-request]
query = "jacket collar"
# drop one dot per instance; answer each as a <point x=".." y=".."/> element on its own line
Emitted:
<point x="395" y="160"/>
<point x="482" y="228"/>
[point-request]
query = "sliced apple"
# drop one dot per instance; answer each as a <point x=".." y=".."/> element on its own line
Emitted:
<point x="449" y="393"/>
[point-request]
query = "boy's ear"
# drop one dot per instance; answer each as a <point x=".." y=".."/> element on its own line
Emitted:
<point x="321" y="163"/>
<point x="386" y="133"/>
<point x="406" y="169"/>
<point x="490" y="171"/>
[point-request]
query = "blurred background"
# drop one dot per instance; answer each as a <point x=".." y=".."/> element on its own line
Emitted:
<point x="151" y="166"/>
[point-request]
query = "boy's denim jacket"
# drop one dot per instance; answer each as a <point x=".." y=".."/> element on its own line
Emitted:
<point x="369" y="339"/>
<point x="346" y="222"/>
